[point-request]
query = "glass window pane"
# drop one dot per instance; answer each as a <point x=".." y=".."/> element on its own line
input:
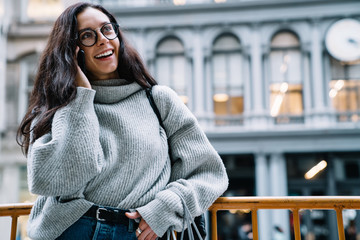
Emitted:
<point x="345" y="90"/>
<point x="163" y="70"/>
<point x="278" y="68"/>
<point x="178" y="75"/>
<point x="220" y="73"/>
<point x="285" y="39"/>
<point x="286" y="99"/>
<point x="337" y="69"/>
<point x="227" y="76"/>
<point x="170" y="46"/>
<point x="220" y="107"/>
<point x="235" y="71"/>
<point x="171" y="67"/>
<point x="237" y="104"/>
<point x="353" y="71"/>
<point x="293" y="61"/>
<point x="286" y="77"/>
<point x="226" y="43"/>
<point x="345" y="95"/>
<point x="285" y="66"/>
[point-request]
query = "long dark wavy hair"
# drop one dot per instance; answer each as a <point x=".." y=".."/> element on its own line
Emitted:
<point x="54" y="85"/>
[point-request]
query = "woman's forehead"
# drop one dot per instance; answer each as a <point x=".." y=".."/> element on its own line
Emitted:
<point x="91" y="18"/>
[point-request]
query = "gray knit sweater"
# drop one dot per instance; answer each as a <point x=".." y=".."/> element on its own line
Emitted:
<point x="106" y="147"/>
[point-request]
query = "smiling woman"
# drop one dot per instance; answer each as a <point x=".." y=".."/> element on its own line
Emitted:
<point x="97" y="155"/>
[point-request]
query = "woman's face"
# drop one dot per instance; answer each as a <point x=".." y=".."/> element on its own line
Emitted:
<point x="101" y="59"/>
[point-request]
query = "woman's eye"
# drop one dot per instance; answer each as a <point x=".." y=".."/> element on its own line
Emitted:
<point x="107" y="28"/>
<point x="86" y="35"/>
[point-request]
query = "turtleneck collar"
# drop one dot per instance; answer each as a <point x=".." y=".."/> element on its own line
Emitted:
<point x="113" y="90"/>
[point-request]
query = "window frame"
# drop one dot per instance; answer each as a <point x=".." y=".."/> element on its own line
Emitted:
<point x="286" y="118"/>
<point x="228" y="118"/>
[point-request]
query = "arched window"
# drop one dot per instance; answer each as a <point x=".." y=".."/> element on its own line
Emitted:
<point x="228" y="92"/>
<point x="170" y="67"/>
<point x="286" y="87"/>
<point x="345" y="90"/>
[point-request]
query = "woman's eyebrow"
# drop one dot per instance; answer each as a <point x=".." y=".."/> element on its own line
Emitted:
<point x="89" y="28"/>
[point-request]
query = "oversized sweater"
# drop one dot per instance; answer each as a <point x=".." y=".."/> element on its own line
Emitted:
<point x="106" y="147"/>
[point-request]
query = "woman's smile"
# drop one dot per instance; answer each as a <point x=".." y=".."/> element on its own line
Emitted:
<point x="105" y="55"/>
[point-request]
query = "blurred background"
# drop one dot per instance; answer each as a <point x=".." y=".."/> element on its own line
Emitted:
<point x="275" y="84"/>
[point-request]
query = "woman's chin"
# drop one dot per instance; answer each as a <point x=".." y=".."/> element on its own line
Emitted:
<point x="105" y="76"/>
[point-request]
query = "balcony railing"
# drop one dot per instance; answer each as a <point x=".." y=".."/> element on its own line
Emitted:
<point x="295" y="204"/>
<point x="14" y="211"/>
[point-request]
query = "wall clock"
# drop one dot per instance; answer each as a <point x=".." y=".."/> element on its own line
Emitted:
<point x="342" y="40"/>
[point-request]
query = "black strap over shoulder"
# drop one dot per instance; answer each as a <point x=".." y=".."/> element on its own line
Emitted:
<point x="153" y="105"/>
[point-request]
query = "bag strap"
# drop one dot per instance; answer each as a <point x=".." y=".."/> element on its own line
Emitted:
<point x="157" y="113"/>
<point x="153" y="105"/>
<point x="187" y="219"/>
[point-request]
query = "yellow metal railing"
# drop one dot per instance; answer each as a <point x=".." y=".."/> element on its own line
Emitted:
<point x="14" y="211"/>
<point x="295" y="204"/>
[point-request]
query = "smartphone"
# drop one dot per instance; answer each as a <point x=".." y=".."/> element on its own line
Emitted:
<point x="81" y="60"/>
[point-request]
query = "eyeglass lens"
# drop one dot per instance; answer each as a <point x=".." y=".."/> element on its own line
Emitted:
<point x="88" y="37"/>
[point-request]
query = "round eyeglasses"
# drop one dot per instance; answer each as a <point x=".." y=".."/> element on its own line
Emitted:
<point x="88" y="37"/>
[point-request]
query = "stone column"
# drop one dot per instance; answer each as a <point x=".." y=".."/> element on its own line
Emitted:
<point x="207" y="119"/>
<point x="257" y="115"/>
<point x="263" y="189"/>
<point x="318" y="87"/>
<point x="307" y="88"/>
<point x="262" y="175"/>
<point x="199" y="68"/>
<point x="278" y="181"/>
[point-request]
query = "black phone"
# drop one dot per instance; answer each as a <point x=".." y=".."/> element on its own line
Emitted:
<point x="81" y="60"/>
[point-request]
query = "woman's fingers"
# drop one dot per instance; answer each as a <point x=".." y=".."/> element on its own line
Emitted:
<point x="153" y="236"/>
<point x="143" y="232"/>
<point x="133" y="215"/>
<point x="80" y="79"/>
<point x="146" y="234"/>
<point x="77" y="51"/>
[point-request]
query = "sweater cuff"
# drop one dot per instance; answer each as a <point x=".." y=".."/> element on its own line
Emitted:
<point x="160" y="213"/>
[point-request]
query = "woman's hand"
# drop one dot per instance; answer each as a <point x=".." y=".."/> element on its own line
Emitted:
<point x="143" y="232"/>
<point x="81" y="80"/>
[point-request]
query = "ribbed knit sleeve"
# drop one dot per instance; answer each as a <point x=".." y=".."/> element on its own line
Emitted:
<point x="62" y="161"/>
<point x="198" y="172"/>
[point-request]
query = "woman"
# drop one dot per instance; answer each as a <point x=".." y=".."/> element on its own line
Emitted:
<point x="97" y="156"/>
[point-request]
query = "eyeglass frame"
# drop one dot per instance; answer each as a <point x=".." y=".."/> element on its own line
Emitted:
<point x="115" y="27"/>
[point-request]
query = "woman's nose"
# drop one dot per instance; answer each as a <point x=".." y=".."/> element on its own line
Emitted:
<point x="101" y="38"/>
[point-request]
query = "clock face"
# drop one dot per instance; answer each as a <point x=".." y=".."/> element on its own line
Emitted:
<point x="343" y="40"/>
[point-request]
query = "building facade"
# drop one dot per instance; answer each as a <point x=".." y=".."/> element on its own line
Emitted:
<point x="273" y="94"/>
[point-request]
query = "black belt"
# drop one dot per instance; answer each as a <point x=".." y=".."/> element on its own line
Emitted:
<point x="106" y="214"/>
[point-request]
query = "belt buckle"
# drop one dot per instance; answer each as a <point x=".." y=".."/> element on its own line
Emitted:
<point x="98" y="214"/>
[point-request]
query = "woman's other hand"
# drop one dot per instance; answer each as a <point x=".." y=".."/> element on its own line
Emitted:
<point x="81" y="80"/>
<point x="145" y="233"/>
